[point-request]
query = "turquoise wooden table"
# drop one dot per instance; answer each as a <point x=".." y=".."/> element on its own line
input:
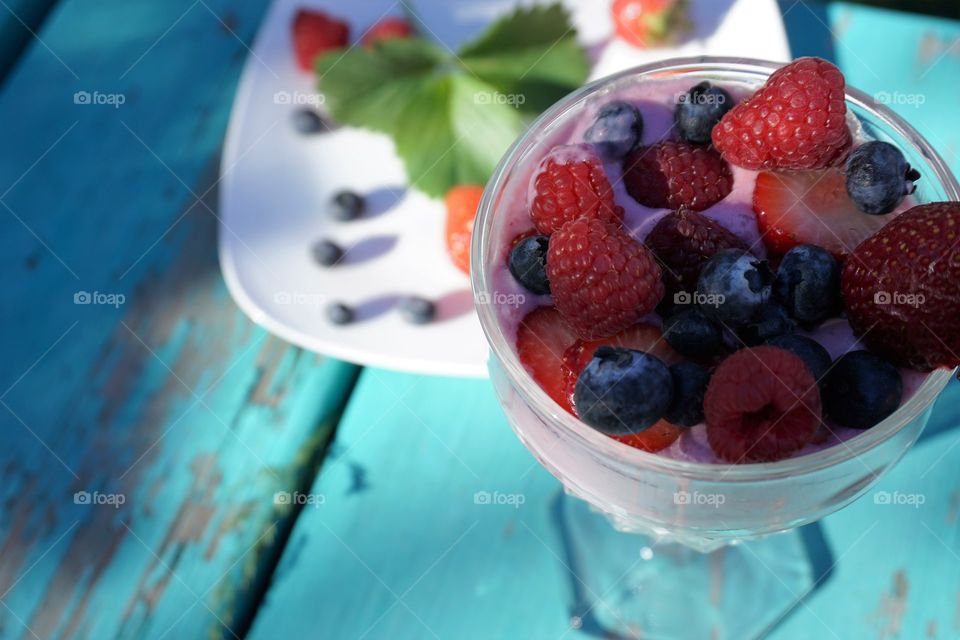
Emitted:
<point x="149" y="428"/>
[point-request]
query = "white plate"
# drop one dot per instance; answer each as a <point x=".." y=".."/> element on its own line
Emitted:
<point x="275" y="184"/>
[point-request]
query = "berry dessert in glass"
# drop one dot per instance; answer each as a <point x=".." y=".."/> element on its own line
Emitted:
<point x="721" y="297"/>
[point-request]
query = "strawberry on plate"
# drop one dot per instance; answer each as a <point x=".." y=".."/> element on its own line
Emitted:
<point x="642" y="337"/>
<point x="542" y="339"/>
<point x="810" y="207"/>
<point x="796" y="120"/>
<point x="462" y="202"/>
<point x="385" y="29"/>
<point x="314" y="33"/>
<point x="901" y="288"/>
<point x="648" y="23"/>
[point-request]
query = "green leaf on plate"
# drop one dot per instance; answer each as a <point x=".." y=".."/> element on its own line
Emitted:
<point x="452" y="117"/>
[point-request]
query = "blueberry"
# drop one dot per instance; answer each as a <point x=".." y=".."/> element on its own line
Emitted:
<point x="417" y="310"/>
<point x="616" y="130"/>
<point x="812" y="353"/>
<point x="878" y="177"/>
<point x="693" y="334"/>
<point x="808" y="284"/>
<point x="689" y="386"/>
<point x="699" y="110"/>
<point x="862" y="389"/>
<point x="339" y="313"/>
<point x="528" y="264"/>
<point x="327" y="253"/>
<point x="733" y="287"/>
<point x="307" y="121"/>
<point x="622" y="391"/>
<point x="771" y="321"/>
<point x="347" y="205"/>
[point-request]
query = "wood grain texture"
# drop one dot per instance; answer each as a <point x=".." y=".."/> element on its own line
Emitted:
<point x="167" y="403"/>
<point x="19" y="22"/>
<point x="406" y="553"/>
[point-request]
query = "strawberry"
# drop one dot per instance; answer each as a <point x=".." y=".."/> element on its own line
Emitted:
<point x="314" y="33"/>
<point x="385" y="29"/>
<point x="542" y="339"/>
<point x="797" y="120"/>
<point x="660" y="436"/>
<point x="810" y="207"/>
<point x="646" y="23"/>
<point x="901" y="288"/>
<point x="462" y="202"/>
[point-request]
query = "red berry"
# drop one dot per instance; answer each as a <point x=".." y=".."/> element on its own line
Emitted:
<point x="542" y="339"/>
<point x="602" y="280"/>
<point x="670" y="175"/>
<point x="571" y="184"/>
<point x="901" y="288"/>
<point x="683" y="242"/>
<point x="762" y="405"/>
<point x="461" y="202"/>
<point x="386" y="29"/>
<point x="797" y="120"/>
<point x="314" y="33"/>
<point x="645" y="23"/>
<point x="810" y="207"/>
<point x="652" y="439"/>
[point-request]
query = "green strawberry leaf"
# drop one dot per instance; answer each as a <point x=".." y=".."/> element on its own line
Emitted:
<point x="452" y="117"/>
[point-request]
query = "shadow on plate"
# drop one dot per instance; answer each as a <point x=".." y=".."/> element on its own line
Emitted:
<point x="369" y="249"/>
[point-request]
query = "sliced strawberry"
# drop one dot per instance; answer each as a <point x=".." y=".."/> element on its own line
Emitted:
<point x="810" y="207"/>
<point x="660" y="436"/>
<point x="461" y="202"/>
<point x="542" y="339"/>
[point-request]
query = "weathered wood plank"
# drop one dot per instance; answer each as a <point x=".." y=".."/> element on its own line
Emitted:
<point x="19" y="22"/>
<point x="171" y="402"/>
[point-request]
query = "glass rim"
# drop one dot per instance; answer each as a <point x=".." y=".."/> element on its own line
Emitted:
<point x="545" y="407"/>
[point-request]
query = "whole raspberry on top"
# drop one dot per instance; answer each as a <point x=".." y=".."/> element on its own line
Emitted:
<point x="670" y="175"/>
<point x="797" y="120"/>
<point x="602" y="280"/>
<point x="570" y="184"/>
<point x="901" y="288"/>
<point x="683" y="241"/>
<point x="762" y="405"/>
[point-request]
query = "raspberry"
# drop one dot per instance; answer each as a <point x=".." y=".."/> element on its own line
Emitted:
<point x="683" y="242"/>
<point x="797" y="120"/>
<point x="670" y="175"/>
<point x="314" y="33"/>
<point x="602" y="280"/>
<point x="900" y="288"/>
<point x="571" y="184"/>
<point x="761" y="405"/>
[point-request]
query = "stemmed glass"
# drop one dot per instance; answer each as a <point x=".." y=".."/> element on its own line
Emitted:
<point x="701" y="562"/>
